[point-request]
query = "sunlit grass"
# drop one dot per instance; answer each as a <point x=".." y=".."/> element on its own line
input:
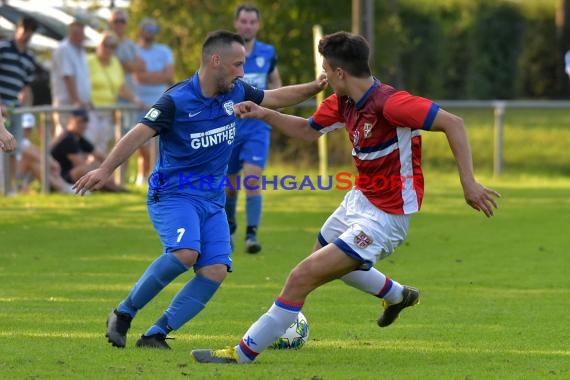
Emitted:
<point x="495" y="292"/>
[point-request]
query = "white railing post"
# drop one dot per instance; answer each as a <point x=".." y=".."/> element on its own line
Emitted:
<point x="45" y="130"/>
<point x="498" y="138"/>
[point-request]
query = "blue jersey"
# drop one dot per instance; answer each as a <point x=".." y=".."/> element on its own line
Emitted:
<point x="196" y="137"/>
<point x="257" y="67"/>
<point x="259" y="64"/>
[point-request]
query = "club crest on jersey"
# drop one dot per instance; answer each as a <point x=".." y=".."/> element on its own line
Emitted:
<point x="356" y="139"/>
<point x="362" y="240"/>
<point x="260" y="61"/>
<point x="229" y="107"/>
<point x="152" y="114"/>
<point x="367" y="130"/>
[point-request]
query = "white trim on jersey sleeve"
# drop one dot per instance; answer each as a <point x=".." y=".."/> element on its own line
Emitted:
<point x="324" y="130"/>
<point x="331" y="128"/>
<point x="409" y="195"/>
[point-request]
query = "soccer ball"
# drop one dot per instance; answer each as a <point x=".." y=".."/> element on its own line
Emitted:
<point x="295" y="336"/>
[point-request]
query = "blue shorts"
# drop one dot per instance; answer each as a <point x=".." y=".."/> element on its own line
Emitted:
<point x="186" y="222"/>
<point x="251" y="146"/>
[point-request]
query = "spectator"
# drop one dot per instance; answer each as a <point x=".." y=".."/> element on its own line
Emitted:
<point x="17" y="68"/>
<point x="126" y="48"/>
<point x="75" y="154"/>
<point x="30" y="161"/>
<point x="151" y="81"/>
<point x="107" y="83"/>
<point x="70" y="83"/>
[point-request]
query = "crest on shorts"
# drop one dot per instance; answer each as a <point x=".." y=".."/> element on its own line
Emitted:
<point x="367" y="130"/>
<point x="362" y="240"/>
<point x="229" y="107"/>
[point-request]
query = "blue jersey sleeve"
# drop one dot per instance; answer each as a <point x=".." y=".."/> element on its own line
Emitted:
<point x="160" y="116"/>
<point x="273" y="62"/>
<point x="252" y="93"/>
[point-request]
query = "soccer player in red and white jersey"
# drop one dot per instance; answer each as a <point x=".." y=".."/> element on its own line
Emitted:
<point x="384" y="126"/>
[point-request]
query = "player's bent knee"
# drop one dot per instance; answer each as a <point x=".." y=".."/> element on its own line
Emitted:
<point x="252" y="183"/>
<point x="186" y="256"/>
<point x="216" y="272"/>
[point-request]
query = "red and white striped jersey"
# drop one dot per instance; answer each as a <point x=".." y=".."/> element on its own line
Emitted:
<point x="384" y="128"/>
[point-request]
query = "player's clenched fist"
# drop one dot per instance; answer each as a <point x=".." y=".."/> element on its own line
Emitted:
<point x="249" y="110"/>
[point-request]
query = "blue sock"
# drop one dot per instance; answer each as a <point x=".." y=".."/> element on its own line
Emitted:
<point x="231" y="206"/>
<point x="253" y="210"/>
<point x="159" y="274"/>
<point x="159" y="327"/>
<point x="189" y="301"/>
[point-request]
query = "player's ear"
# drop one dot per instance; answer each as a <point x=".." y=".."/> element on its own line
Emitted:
<point x="216" y="59"/>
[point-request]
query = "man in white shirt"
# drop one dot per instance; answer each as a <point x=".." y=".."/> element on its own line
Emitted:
<point x="70" y="83"/>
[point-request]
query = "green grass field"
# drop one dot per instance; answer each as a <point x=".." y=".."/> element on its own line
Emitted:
<point x="495" y="292"/>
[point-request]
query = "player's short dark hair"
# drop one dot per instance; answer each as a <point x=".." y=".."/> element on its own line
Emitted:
<point x="218" y="40"/>
<point x="348" y="51"/>
<point x="247" y="8"/>
<point x="28" y="23"/>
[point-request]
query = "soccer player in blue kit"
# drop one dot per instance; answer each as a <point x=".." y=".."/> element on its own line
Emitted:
<point x="251" y="148"/>
<point x="196" y="123"/>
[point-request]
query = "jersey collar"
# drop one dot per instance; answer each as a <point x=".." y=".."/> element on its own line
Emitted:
<point x="361" y="101"/>
<point x="198" y="88"/>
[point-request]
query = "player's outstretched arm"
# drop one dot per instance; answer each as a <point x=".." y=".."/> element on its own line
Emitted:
<point x="476" y="195"/>
<point x="291" y="125"/>
<point x="95" y="179"/>
<point x="293" y="94"/>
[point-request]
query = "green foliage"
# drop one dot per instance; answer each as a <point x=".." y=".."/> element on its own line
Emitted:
<point x="184" y="29"/>
<point x="496" y="45"/>
<point x="449" y="49"/>
<point x="452" y="49"/>
<point x="540" y="66"/>
<point x="422" y="52"/>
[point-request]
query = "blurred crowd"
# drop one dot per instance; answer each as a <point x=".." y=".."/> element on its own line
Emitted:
<point x="119" y="71"/>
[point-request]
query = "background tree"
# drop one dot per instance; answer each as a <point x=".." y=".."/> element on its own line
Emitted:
<point x="563" y="42"/>
<point x="446" y="49"/>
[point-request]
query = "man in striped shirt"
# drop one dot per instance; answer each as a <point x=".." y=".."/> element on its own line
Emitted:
<point x="17" y="68"/>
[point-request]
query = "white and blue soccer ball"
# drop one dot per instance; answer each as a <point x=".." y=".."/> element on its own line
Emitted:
<point x="295" y="336"/>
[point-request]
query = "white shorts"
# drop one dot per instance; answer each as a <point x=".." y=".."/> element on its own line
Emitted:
<point x="363" y="231"/>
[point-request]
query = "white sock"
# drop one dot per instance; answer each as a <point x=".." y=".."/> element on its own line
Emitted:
<point x="376" y="283"/>
<point x="267" y="329"/>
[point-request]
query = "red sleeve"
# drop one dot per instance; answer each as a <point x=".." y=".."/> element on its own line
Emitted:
<point x="405" y="110"/>
<point x="327" y="117"/>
